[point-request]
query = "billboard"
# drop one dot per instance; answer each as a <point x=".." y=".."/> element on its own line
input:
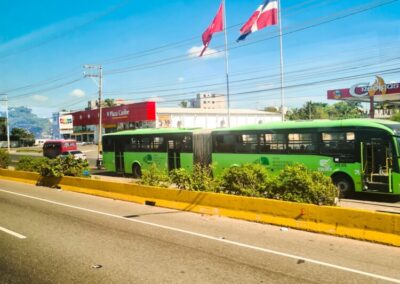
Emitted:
<point x="65" y="123"/>
<point x="362" y="91"/>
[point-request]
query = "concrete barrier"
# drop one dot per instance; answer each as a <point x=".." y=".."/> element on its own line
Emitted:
<point x="352" y="223"/>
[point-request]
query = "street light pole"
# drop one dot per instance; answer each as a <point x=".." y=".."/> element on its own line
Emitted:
<point x="99" y="75"/>
<point x="7" y="123"/>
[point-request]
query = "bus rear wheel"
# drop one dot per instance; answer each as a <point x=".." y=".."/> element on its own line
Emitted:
<point x="136" y="171"/>
<point x="344" y="184"/>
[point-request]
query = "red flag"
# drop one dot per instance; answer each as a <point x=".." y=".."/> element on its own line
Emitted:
<point x="217" y="25"/>
<point x="266" y="15"/>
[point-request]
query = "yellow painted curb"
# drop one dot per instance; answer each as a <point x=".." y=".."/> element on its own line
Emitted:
<point x="352" y="223"/>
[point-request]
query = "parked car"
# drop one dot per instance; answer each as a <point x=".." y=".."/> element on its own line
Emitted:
<point x="75" y="153"/>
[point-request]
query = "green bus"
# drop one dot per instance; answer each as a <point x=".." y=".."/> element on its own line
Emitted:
<point x="360" y="155"/>
<point x="130" y="151"/>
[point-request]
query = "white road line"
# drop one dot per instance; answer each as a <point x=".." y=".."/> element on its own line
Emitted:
<point x="12" y="233"/>
<point x="292" y="256"/>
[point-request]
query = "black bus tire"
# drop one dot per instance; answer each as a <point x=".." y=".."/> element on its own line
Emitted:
<point x="344" y="184"/>
<point x="136" y="171"/>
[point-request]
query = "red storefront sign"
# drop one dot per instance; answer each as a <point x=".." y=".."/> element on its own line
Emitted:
<point x="145" y="111"/>
<point x="362" y="91"/>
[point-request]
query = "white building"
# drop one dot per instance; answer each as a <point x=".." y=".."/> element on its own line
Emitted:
<point x="209" y="101"/>
<point x="211" y="118"/>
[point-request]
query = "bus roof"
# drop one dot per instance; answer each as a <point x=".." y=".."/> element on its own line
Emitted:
<point x="153" y="131"/>
<point x="391" y="126"/>
<point x="60" y="140"/>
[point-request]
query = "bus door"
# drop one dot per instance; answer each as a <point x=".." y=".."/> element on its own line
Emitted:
<point x="174" y="154"/>
<point x="376" y="165"/>
<point x="119" y="155"/>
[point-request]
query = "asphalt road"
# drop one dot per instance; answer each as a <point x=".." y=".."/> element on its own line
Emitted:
<point x="52" y="236"/>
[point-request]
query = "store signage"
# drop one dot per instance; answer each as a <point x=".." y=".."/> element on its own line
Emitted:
<point x="365" y="90"/>
<point x="66" y="124"/>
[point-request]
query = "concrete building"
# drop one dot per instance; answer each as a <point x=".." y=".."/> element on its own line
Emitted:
<point x="211" y="118"/>
<point x="147" y="115"/>
<point x="209" y="101"/>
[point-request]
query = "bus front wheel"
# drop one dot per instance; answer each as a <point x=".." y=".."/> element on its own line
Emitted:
<point x="344" y="184"/>
<point x="136" y="171"/>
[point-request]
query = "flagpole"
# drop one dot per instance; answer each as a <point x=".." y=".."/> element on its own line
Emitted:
<point x="281" y="61"/>
<point x="227" y="66"/>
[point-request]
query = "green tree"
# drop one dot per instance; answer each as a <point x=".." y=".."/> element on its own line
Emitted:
<point x="271" y="109"/>
<point x="109" y="103"/>
<point x="184" y="104"/>
<point x="25" y="137"/>
<point x="309" y="110"/>
<point x="346" y="109"/>
<point x="340" y="110"/>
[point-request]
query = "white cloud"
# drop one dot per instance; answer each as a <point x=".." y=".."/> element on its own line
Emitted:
<point x="208" y="54"/>
<point x="181" y="79"/>
<point x="40" y="98"/>
<point x="77" y="93"/>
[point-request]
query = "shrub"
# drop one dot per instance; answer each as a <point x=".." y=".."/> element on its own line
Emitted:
<point x="155" y="177"/>
<point x="64" y="166"/>
<point x="5" y="159"/>
<point x="73" y="167"/>
<point x="51" y="168"/>
<point x="298" y="183"/>
<point x="247" y="180"/>
<point x="181" y="178"/>
<point x="30" y="164"/>
<point x="202" y="179"/>
<point x="199" y="180"/>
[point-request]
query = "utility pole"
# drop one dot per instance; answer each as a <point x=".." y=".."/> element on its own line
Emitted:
<point x="7" y="123"/>
<point x="98" y="74"/>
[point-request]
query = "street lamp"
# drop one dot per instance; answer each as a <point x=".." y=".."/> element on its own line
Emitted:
<point x="7" y="123"/>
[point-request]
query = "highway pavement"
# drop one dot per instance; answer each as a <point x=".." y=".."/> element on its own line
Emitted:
<point x="54" y="236"/>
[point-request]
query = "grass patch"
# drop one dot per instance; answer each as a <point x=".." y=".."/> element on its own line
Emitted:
<point x="25" y="150"/>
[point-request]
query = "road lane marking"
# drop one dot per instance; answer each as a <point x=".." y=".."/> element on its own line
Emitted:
<point x="243" y="245"/>
<point x="12" y="233"/>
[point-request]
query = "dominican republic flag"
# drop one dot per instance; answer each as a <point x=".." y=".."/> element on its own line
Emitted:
<point x="217" y="25"/>
<point x="266" y="15"/>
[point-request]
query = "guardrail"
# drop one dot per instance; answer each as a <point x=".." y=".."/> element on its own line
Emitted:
<point x="352" y="223"/>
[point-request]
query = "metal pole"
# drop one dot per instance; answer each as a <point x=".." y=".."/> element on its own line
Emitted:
<point x="100" y="126"/>
<point x="7" y="123"/>
<point x="281" y="60"/>
<point x="227" y="66"/>
<point x="100" y="148"/>
<point x="8" y="126"/>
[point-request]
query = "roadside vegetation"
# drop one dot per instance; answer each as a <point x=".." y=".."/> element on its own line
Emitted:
<point x="295" y="183"/>
<point x="29" y="150"/>
<point x="5" y="159"/>
<point x="59" y="167"/>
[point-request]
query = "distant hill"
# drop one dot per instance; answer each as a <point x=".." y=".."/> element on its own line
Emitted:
<point x="22" y="117"/>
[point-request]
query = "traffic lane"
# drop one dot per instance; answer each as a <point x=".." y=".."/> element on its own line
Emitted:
<point x="351" y="253"/>
<point x="63" y="246"/>
<point x="360" y="255"/>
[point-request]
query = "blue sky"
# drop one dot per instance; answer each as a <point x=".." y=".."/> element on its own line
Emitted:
<point x="146" y="49"/>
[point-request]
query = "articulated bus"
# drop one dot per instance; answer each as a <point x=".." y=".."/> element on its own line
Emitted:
<point x="131" y="150"/>
<point x="360" y="155"/>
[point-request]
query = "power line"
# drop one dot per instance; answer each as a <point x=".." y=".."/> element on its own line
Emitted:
<point x="177" y="59"/>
